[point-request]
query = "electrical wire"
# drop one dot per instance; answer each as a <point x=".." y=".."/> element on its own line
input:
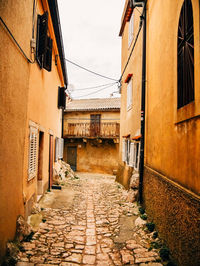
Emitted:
<point x="94" y="92"/>
<point x="136" y="39"/>
<point x="16" y="41"/>
<point x="90" y="88"/>
<point x="88" y="70"/>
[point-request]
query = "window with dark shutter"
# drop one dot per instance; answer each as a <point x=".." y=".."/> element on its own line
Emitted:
<point x="61" y="97"/>
<point x="185" y="55"/>
<point x="42" y="26"/>
<point x="48" y="55"/>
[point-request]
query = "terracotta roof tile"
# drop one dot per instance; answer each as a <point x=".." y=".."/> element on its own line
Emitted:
<point x="93" y="104"/>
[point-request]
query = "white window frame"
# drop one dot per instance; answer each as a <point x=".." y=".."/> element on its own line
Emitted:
<point x="131" y="30"/>
<point x="135" y="155"/>
<point x="123" y="150"/>
<point x="33" y="152"/>
<point x="129" y="96"/>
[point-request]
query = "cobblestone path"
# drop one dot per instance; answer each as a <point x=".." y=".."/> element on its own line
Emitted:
<point x="94" y="226"/>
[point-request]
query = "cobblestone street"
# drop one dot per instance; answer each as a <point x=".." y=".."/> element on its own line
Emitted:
<point x="88" y="222"/>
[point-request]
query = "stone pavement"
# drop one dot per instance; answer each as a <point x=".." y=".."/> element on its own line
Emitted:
<point x="94" y="225"/>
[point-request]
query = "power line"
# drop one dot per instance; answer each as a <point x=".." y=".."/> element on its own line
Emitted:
<point x="15" y="41"/>
<point x="95" y="91"/>
<point x="90" y="88"/>
<point x="88" y="70"/>
<point x="136" y="39"/>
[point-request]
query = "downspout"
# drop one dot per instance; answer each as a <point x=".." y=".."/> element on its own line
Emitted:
<point x="143" y="94"/>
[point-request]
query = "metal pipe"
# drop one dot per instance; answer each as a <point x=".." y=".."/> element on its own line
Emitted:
<point x="143" y="93"/>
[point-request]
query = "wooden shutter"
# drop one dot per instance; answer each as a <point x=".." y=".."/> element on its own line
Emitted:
<point x="131" y="25"/>
<point x="56" y="149"/>
<point x="42" y="26"/>
<point x="131" y="157"/>
<point x="32" y="169"/>
<point x="48" y="55"/>
<point x="61" y="97"/>
<point x="137" y="156"/>
<point x="123" y="150"/>
<point x="61" y="148"/>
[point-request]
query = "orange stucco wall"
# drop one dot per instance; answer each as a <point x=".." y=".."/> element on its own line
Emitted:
<point x="43" y="111"/>
<point x="14" y="83"/>
<point x="130" y="118"/>
<point x="27" y="94"/>
<point x="172" y="135"/>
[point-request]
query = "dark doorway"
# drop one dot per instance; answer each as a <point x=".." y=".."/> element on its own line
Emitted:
<point x="95" y="123"/>
<point x="72" y="157"/>
<point x="50" y="161"/>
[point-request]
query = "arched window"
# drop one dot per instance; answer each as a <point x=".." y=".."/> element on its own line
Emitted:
<point x="186" y="55"/>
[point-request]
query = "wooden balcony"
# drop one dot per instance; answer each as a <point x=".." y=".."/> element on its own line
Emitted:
<point x="92" y="130"/>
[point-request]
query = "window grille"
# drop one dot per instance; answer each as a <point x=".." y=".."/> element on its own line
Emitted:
<point x="185" y="55"/>
<point x="134" y="157"/>
<point x="33" y="147"/>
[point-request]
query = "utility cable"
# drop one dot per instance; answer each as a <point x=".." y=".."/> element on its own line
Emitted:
<point x="95" y="92"/>
<point x="90" y="88"/>
<point x="136" y="39"/>
<point x="16" y="41"/>
<point x="88" y="70"/>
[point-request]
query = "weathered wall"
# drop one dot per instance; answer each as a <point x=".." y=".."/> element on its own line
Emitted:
<point x="172" y="135"/>
<point x="14" y="83"/>
<point x="42" y="110"/>
<point x="130" y="119"/>
<point x="84" y="117"/>
<point x="176" y="213"/>
<point x="95" y="157"/>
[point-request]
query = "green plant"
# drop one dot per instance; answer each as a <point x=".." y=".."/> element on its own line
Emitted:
<point x="76" y="177"/>
<point x="155" y="235"/>
<point x="150" y="226"/>
<point x="42" y="209"/>
<point x="164" y="253"/>
<point x="43" y="220"/>
<point x="29" y="237"/>
<point x="143" y="217"/>
<point x="141" y="210"/>
<point x="155" y="245"/>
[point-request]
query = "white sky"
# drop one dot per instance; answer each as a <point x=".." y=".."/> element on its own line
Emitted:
<point x="90" y="30"/>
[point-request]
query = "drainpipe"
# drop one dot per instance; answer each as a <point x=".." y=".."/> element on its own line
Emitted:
<point x="141" y="167"/>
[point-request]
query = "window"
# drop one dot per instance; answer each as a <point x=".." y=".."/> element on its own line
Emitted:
<point x="185" y="55"/>
<point x="126" y="150"/>
<point x="129" y="94"/>
<point x="32" y="167"/>
<point x="134" y="155"/>
<point x="130" y="34"/>
<point x="61" y="98"/>
<point x="59" y="149"/>
<point x="44" y="43"/>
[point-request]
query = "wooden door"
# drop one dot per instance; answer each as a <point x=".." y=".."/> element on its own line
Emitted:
<point x="95" y="122"/>
<point x="50" y="161"/>
<point x="72" y="157"/>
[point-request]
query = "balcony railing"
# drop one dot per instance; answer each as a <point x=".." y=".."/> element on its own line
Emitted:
<point x="102" y="130"/>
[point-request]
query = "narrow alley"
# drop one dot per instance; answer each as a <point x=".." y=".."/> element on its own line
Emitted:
<point x="88" y="222"/>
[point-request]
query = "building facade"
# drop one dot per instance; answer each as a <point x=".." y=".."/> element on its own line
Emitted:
<point x="91" y="134"/>
<point x="130" y="95"/>
<point x="32" y="70"/>
<point x="170" y="183"/>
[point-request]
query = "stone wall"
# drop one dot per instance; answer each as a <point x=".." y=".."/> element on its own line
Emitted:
<point x="176" y="213"/>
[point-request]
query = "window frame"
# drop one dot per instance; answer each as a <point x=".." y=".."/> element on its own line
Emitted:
<point x="131" y="30"/>
<point x="129" y="96"/>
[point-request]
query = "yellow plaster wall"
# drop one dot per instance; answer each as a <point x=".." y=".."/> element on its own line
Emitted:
<point x="172" y="135"/>
<point x="14" y="83"/>
<point x="43" y="111"/>
<point x="130" y="119"/>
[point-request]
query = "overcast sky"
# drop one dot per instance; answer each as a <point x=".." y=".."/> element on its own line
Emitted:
<point x="90" y="30"/>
